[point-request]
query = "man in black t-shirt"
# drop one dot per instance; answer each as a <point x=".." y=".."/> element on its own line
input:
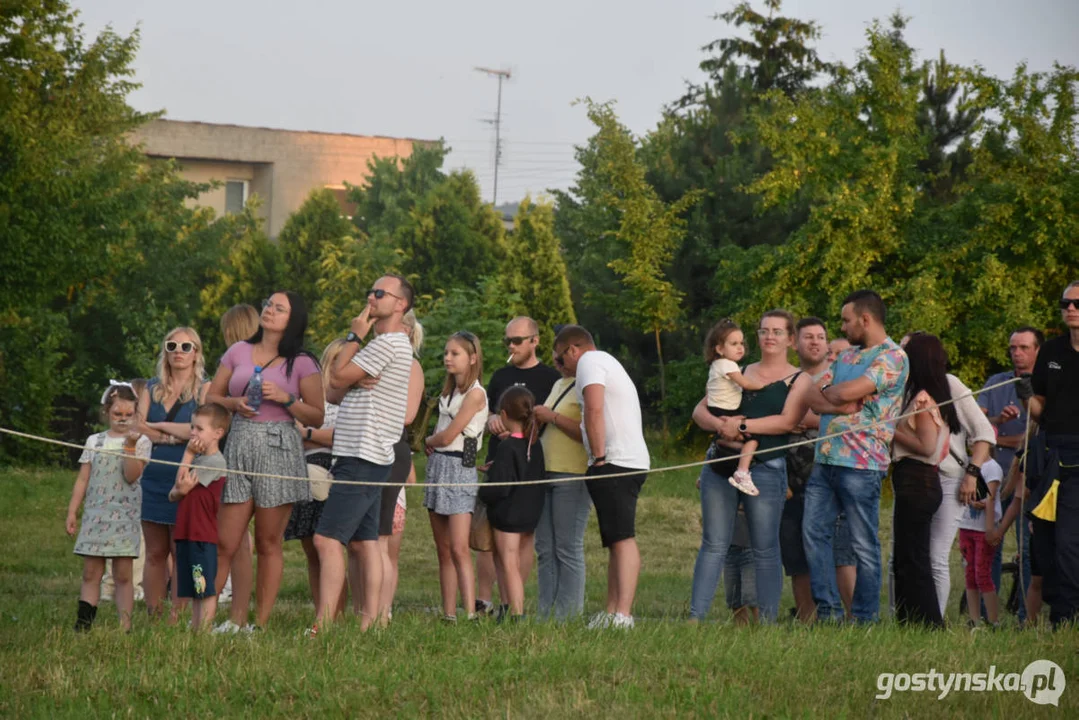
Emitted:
<point x="1052" y="397"/>
<point x="522" y="368"/>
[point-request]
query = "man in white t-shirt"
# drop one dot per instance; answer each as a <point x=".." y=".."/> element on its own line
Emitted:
<point x="368" y="425"/>
<point x="614" y="438"/>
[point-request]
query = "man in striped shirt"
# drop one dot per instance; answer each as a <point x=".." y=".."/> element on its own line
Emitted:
<point x="368" y="424"/>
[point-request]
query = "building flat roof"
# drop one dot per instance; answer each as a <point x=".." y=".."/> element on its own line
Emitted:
<point x="299" y="132"/>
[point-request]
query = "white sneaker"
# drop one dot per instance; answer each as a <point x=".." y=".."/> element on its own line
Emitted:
<point x="226" y="628"/>
<point x="600" y="620"/>
<point x="744" y="482"/>
<point x="139" y="594"/>
<point x="623" y="622"/>
<point x="249" y="629"/>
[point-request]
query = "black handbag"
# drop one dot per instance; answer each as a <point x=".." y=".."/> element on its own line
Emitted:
<point x="468" y="452"/>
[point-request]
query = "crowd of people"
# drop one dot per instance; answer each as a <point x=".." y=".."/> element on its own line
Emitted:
<point x="865" y="406"/>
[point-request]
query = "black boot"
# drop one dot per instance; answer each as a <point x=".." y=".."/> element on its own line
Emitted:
<point x="85" y="619"/>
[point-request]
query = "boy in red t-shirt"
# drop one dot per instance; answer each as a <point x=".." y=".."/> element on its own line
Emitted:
<point x="198" y="489"/>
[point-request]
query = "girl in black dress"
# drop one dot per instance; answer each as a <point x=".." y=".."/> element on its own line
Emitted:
<point x="514" y="511"/>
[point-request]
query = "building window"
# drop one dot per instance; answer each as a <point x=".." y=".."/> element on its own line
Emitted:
<point x="235" y="196"/>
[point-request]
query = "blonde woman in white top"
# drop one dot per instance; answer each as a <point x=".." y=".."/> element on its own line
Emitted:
<point x="462" y="415"/>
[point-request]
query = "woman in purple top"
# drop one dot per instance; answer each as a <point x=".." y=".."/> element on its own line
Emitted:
<point x="266" y="441"/>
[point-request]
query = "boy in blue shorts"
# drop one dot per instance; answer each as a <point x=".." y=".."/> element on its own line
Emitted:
<point x="198" y="489"/>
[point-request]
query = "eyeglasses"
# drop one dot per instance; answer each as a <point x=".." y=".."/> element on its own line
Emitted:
<point x="379" y="293"/>
<point x="184" y="347"/>
<point x="1066" y="303"/>
<point x="774" y="332"/>
<point x="281" y="309"/>
<point x="516" y="340"/>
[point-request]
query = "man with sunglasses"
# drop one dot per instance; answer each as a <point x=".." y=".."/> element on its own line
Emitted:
<point x="522" y="367"/>
<point x="613" y="435"/>
<point x="1051" y="395"/>
<point x="368" y="426"/>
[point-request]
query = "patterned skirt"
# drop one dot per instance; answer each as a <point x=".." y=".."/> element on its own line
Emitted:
<point x="265" y="447"/>
<point x="444" y="470"/>
<point x="305" y="515"/>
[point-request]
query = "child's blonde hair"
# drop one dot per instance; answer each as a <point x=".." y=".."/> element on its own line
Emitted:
<point x="471" y="344"/>
<point x="164" y="369"/>
<point x="329" y="357"/>
<point x="238" y="323"/>
<point x="415" y="331"/>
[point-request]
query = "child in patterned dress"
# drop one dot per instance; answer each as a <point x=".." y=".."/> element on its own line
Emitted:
<point x="108" y="481"/>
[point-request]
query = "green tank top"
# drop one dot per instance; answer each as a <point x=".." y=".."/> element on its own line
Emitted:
<point x="767" y="401"/>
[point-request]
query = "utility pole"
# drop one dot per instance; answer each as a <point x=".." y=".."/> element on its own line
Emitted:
<point x="501" y="75"/>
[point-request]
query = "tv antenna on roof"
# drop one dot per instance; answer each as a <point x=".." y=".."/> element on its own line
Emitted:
<point x="501" y="75"/>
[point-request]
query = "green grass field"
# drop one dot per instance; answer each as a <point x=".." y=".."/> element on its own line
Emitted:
<point x="419" y="666"/>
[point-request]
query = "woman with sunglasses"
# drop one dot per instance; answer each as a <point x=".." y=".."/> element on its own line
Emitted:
<point x="166" y="406"/>
<point x="266" y="441"/>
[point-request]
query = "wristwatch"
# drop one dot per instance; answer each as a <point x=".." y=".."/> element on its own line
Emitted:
<point x="309" y="431"/>
<point x="743" y="428"/>
<point x="291" y="399"/>
<point x="353" y="337"/>
<point x="601" y="458"/>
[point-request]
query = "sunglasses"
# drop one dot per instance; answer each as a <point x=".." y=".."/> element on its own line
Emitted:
<point x="1066" y="303"/>
<point x="184" y="347"/>
<point x="516" y="340"/>
<point x="379" y="293"/>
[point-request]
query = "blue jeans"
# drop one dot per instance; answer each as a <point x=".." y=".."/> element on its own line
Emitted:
<point x="832" y="489"/>
<point x="719" y="506"/>
<point x="560" y="548"/>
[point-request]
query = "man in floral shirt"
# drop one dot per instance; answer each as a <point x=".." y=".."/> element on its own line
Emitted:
<point x="864" y="386"/>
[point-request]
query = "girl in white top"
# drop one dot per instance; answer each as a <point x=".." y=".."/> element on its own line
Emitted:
<point x="724" y="347"/>
<point x="978" y="554"/>
<point x="450" y="492"/>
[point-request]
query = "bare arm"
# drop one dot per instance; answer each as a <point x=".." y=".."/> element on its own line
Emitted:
<point x="705" y="420"/>
<point x="594" y="424"/>
<point x="416" y="388"/>
<point x="150" y="430"/>
<point x="568" y="425"/>
<point x="185" y="477"/>
<point x="794" y="410"/>
<point x="133" y="466"/>
<point x="346" y="373"/>
<point x="219" y="393"/>
<point x="474" y="402"/>
<point x="744" y="382"/>
<point x="819" y="403"/>
<point x="78" y="494"/>
<point x="849" y="391"/>
<point x="923" y="439"/>
<point x="1034" y="406"/>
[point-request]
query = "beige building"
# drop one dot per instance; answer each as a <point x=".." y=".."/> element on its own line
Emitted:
<point x="282" y="167"/>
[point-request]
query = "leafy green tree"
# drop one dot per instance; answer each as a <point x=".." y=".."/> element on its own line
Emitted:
<point x="535" y="269"/>
<point x="443" y="234"/>
<point x="649" y="231"/>
<point x="100" y="250"/>
<point x="317" y="222"/>
<point x="967" y="264"/>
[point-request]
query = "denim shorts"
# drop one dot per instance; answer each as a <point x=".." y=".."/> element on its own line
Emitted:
<point x="351" y="511"/>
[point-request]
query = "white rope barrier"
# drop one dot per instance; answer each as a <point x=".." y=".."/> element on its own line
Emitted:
<point x="544" y="481"/>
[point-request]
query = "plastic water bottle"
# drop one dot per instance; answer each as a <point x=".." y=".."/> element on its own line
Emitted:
<point x="254" y="389"/>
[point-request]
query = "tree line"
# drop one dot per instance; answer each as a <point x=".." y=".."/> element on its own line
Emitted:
<point x="778" y="181"/>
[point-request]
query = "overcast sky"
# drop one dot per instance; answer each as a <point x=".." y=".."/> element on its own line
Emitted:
<point x="406" y="68"/>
